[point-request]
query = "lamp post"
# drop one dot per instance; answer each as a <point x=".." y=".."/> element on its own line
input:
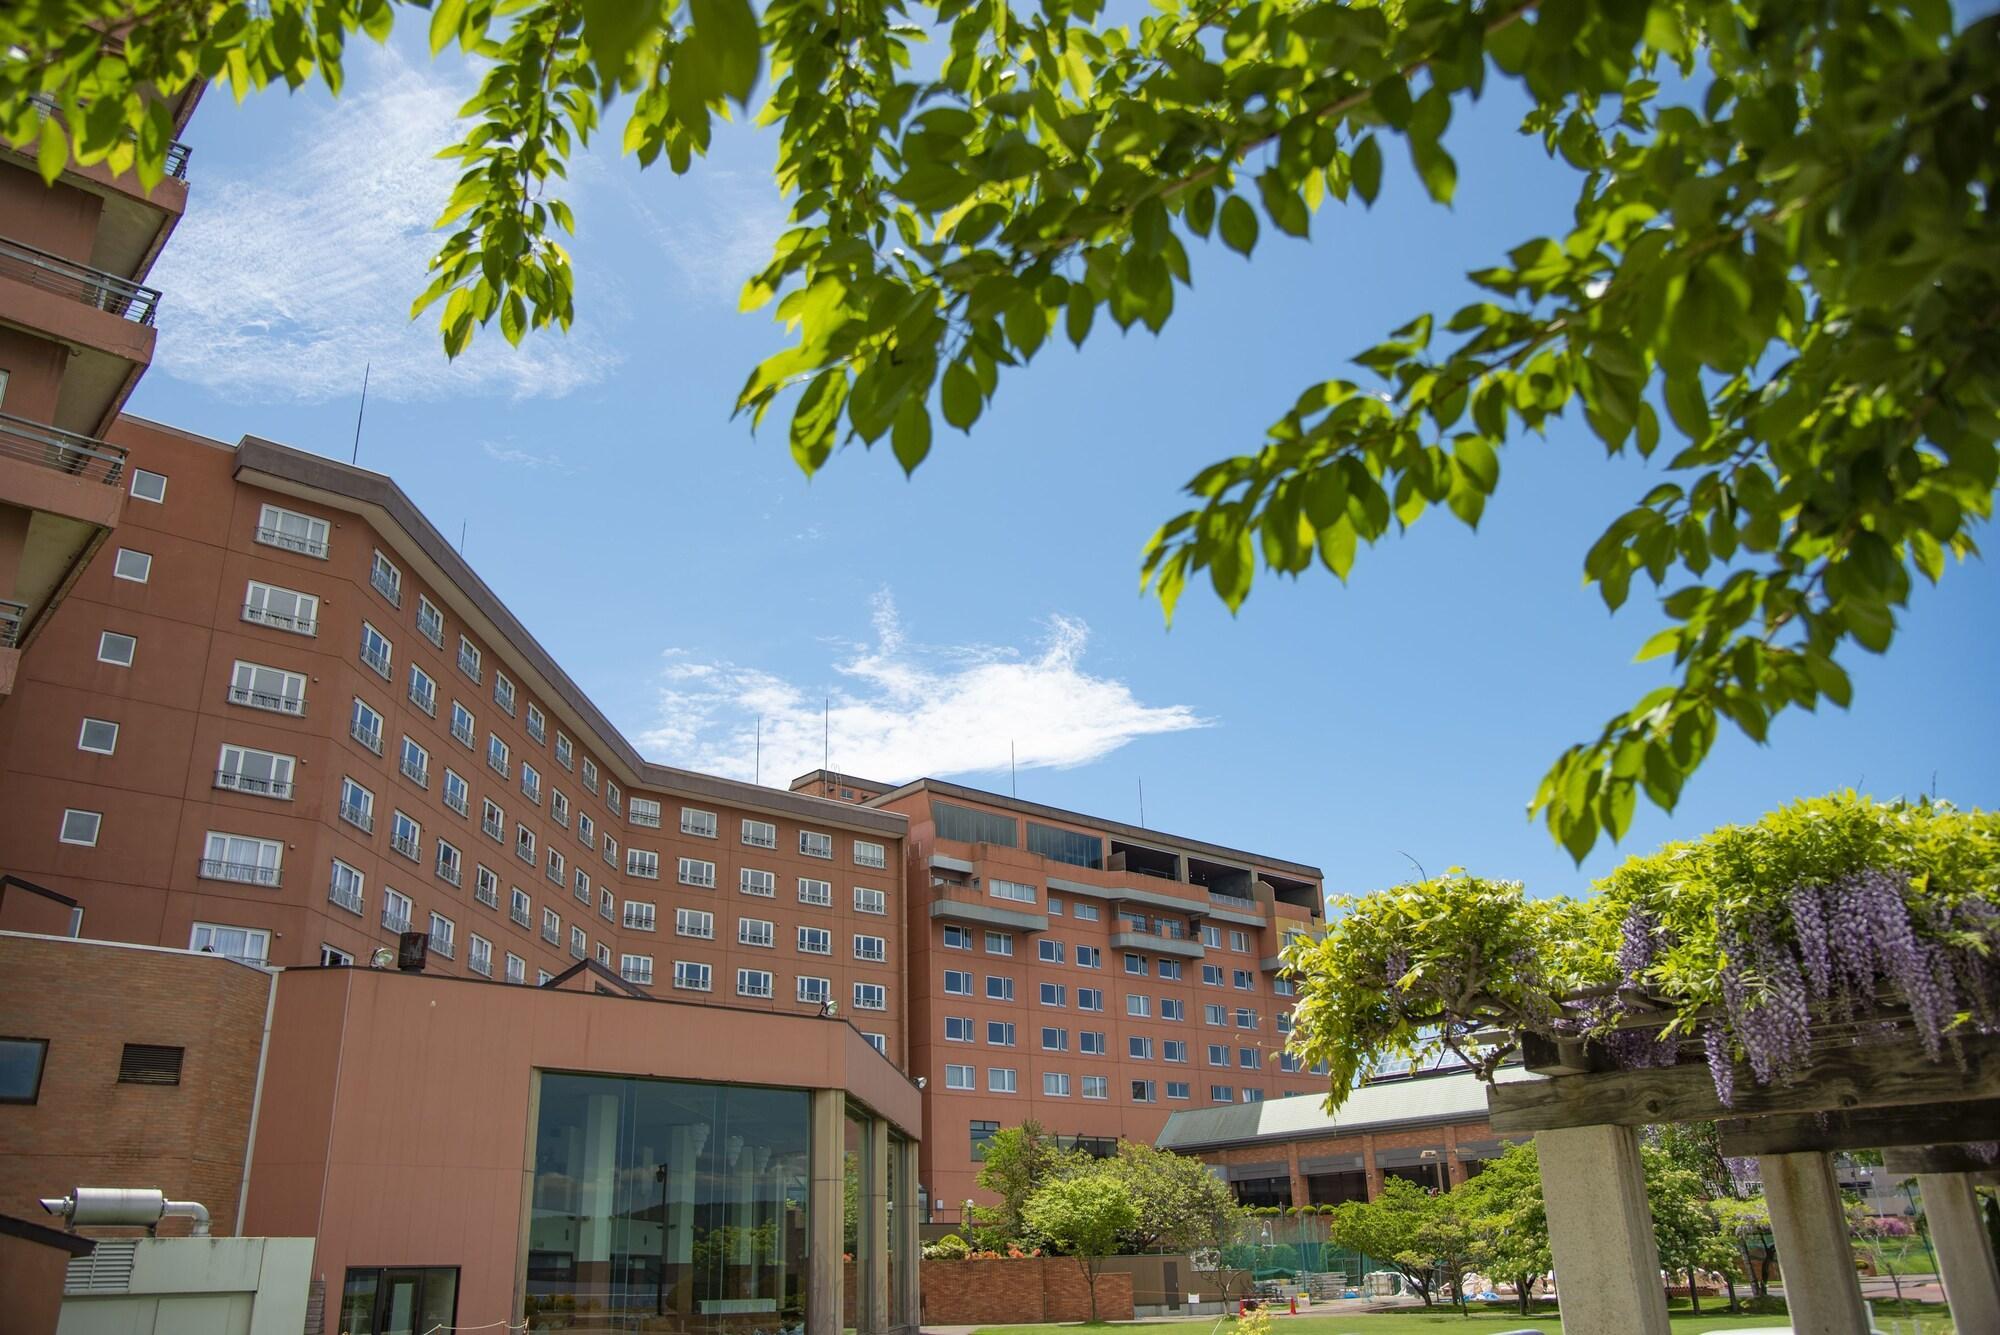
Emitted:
<point x="660" y="1270"/>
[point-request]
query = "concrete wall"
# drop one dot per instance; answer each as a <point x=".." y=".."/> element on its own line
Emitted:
<point x="217" y="1286"/>
<point x="1052" y="1288"/>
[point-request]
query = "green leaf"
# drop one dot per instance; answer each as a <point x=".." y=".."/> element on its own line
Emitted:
<point x="727" y="30"/>
<point x="961" y="397"/>
<point x="447" y="15"/>
<point x="1282" y="203"/>
<point x="817" y="418"/>
<point x="612" y="29"/>
<point x="1435" y="167"/>
<point x="52" y="150"/>
<point x="1365" y="167"/>
<point x="910" y="438"/>
<point x="1239" y="225"/>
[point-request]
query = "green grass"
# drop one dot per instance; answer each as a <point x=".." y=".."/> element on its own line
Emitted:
<point x="1933" y="1319"/>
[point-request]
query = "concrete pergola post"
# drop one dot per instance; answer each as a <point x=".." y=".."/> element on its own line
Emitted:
<point x="825" y="1193"/>
<point x="908" y="1259"/>
<point x="1601" y="1232"/>
<point x="1958" y="1233"/>
<point x="1822" y="1287"/>
<point x="875" y="1218"/>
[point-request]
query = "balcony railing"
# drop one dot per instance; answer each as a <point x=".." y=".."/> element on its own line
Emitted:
<point x="356" y="814"/>
<point x="248" y="783"/>
<point x="396" y="920"/>
<point x="386" y="585"/>
<point x="376" y="658"/>
<point x="416" y="773"/>
<point x="448" y="872"/>
<point x="80" y="282"/>
<point x="367" y="736"/>
<point x="279" y="704"/>
<point x="250" y="873"/>
<point x="80" y="456"/>
<point x="13" y="619"/>
<point x="518" y="914"/>
<point x="1237" y="902"/>
<point x="406" y="844"/>
<point x="347" y="896"/>
<point x="264" y="616"/>
<point x="177" y="156"/>
<point x="301" y="543"/>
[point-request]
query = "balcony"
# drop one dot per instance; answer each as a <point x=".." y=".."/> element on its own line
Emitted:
<point x="367" y="736"/>
<point x="13" y="619"/>
<point x="377" y="659"/>
<point x="396" y="920"/>
<point x="415" y="772"/>
<point x="956" y="903"/>
<point x="406" y="844"/>
<point x="85" y="458"/>
<point x="1159" y="943"/>
<point x="246" y="783"/>
<point x="346" y="896"/>
<point x="79" y="282"/>
<point x="247" y="873"/>
<point x="277" y="704"/>
<point x="263" y="616"/>
<point x="358" y="816"/>
<point x="302" y="543"/>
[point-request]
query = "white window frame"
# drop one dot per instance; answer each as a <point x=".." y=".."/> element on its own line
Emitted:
<point x="83" y="737"/>
<point x="95" y="819"/>
<point x="754" y="983"/>
<point x="753" y="881"/>
<point x="697" y="823"/>
<point x="643" y="863"/>
<point x="757" y="933"/>
<point x="698" y="924"/>
<point x="868" y="853"/>
<point x="871" y="901"/>
<point x="141" y="477"/>
<point x="271" y="533"/>
<point x="430" y="621"/>
<point x="760" y="833"/>
<point x="276" y="788"/>
<point x="822" y="895"/>
<point x="693" y="976"/>
<point x="697" y="872"/>
<point x="106" y="640"/>
<point x="145" y="575"/>
<point x="256" y="941"/>
<point x="814" y="844"/>
<point x="266" y="866"/>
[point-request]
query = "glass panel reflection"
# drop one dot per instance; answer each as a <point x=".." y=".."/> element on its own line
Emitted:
<point x="660" y="1205"/>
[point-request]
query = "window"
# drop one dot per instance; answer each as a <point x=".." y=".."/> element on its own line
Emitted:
<point x="444" y="935"/>
<point x="1144" y="1091"/>
<point x="524" y="843"/>
<point x="700" y="824"/>
<point x="753" y="882"/>
<point x="870" y="947"/>
<point x="1139" y="1005"/>
<point x="492" y="820"/>
<point x="1221" y="1094"/>
<point x="396" y="908"/>
<point x="999" y="988"/>
<point x="868" y="854"/>
<point x="1055" y="906"/>
<point x="1211" y="937"/>
<point x="457" y="795"/>
<point x="959" y="1077"/>
<point x="1253" y="1096"/>
<point x="756" y="932"/>
<point x="815" y="941"/>
<point x="814" y="991"/>
<point x="1139" y="1048"/>
<point x="1247" y="1058"/>
<point x="278" y="527"/>
<point x="580" y="887"/>
<point x="1090" y="998"/>
<point x="1218" y="1054"/>
<point x="1173" y="1008"/>
<point x="503" y="693"/>
<point x="639" y="915"/>
<point x="248" y="944"/>
<point x="1090" y="1042"/>
<point x="1211" y="974"/>
<point x="331" y="956"/>
<point x="116" y="649"/>
<point x="131" y="565"/>
<point x="999" y="943"/>
<point x="150" y="1064"/>
<point x="449" y="864"/>
<point x="610" y="851"/>
<point x="813" y="844"/>
<point x="958" y="1029"/>
<point x="642" y="863"/>
<point x="694" y="922"/>
<point x="870" y="901"/>
<point x="694" y="871"/>
<point x="462" y="724"/>
<point x="644" y="811"/>
<point x="1089" y="957"/>
<point x="1054" y="994"/>
<point x="517" y="968"/>
<point x="241" y="857"/>
<point x="611" y="795"/>
<point x="586" y="830"/>
<point x="430" y="621"/>
<point x="281" y="609"/>
<point x="531" y="783"/>
<point x="486" y="886"/>
<point x="815" y="892"/>
<point x="636" y="969"/>
<point x="753" y="983"/>
<point x="760" y="834"/>
<point x="1246" y="1019"/>
<point x="149" y="486"/>
<point x="1212" y="1014"/>
<point x="468" y="658"/>
<point x="871" y="997"/>
<point x="405" y="836"/>
<point x="1170" y="969"/>
<point x="957" y="983"/>
<point x="1055" y="1085"/>
<point x="479" y="955"/>
<point x="1000" y="1080"/>
<point x="1050" y="952"/>
<point x="1173" y="1050"/>
<point x="1011" y="890"/>
<point x="579" y="943"/>
<point x="957" y="938"/>
<point x="497" y="755"/>
<point x="518" y="905"/>
<point x="1281" y="985"/>
<point x="364" y="724"/>
<point x="415" y="762"/>
<point x="97" y="735"/>
<point x="690" y="976"/>
<point x="589" y="773"/>
<point x="345" y="887"/>
<point x="1135" y="964"/>
<point x="261" y="773"/>
<point x="565" y="751"/>
<point x="1242" y="980"/>
<point x="879" y="1042"/>
<point x="1096" y="1087"/>
<point x="1087" y="913"/>
<point x="386" y="579"/>
<point x="1238" y="941"/>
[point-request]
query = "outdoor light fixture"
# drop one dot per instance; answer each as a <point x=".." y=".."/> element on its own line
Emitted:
<point x="828" y="1009"/>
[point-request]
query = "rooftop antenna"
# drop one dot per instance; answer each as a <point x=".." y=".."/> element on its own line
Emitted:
<point x="760" y="749"/>
<point x="1013" y="777"/>
<point x="366" y="367"/>
<point x="1142" y="800"/>
<point x="461" y="537"/>
<point x="826" y="733"/>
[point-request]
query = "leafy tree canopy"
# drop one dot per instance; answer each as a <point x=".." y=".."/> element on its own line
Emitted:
<point x="1745" y="939"/>
<point x="1780" y="279"/>
<point x="1178" y="1202"/>
<point x="1504" y="1207"/>
<point x="1393" y="1227"/>
<point x="1083" y="1216"/>
<point x="1019" y="1161"/>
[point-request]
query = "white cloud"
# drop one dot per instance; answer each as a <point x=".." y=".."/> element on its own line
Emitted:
<point x="899" y="711"/>
<point x="293" y="270"/>
<point x="719" y="232"/>
<point x="508" y="454"/>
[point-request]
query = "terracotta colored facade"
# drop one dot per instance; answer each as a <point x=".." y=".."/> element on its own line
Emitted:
<point x="1219" y="916"/>
<point x="219" y="682"/>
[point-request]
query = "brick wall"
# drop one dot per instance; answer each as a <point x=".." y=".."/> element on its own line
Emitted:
<point x="982" y="1293"/>
<point x="85" y="1129"/>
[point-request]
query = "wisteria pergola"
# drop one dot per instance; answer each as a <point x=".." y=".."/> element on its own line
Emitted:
<point x="1865" y="1084"/>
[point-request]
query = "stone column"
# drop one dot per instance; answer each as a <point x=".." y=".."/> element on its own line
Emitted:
<point x="1601" y="1232"/>
<point x="1822" y="1288"/>
<point x="1971" y="1280"/>
<point x="1298" y="1178"/>
<point x="908" y="1253"/>
<point x="1369" y="1170"/>
<point x="875" y="1218"/>
<point x="825" y="1184"/>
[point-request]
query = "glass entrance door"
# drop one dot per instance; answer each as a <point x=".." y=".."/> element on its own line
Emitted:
<point x="399" y="1300"/>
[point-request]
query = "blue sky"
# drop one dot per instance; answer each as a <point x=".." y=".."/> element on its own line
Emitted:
<point x="696" y="580"/>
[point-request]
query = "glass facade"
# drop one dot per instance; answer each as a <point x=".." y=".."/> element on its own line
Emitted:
<point x="660" y="1205"/>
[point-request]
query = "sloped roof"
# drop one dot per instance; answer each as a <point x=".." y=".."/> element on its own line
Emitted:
<point x="1440" y="1098"/>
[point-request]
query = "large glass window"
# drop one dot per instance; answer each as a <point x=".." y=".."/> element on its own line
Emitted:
<point x="661" y="1198"/>
<point x="399" y="1301"/>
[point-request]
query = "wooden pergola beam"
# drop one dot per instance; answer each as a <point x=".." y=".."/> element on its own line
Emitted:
<point x="1863" y="1129"/>
<point x="1835" y="1079"/>
<point x="1908" y="1162"/>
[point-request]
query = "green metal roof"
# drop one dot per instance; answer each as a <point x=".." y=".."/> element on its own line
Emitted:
<point x="1426" y="1099"/>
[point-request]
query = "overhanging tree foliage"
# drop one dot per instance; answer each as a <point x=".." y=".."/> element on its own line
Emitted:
<point x="1783" y="237"/>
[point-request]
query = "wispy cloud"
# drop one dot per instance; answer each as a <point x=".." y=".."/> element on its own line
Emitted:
<point x="293" y="270"/>
<point x="898" y="710"/>
<point x="717" y="235"/>
<point x="507" y="454"/>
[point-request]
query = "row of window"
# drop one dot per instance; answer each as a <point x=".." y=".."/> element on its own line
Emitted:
<point x="1000" y="987"/>
<point x="1057" y="1085"/>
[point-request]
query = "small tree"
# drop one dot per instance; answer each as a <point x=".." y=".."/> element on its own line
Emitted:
<point x="1688" y="1232"/>
<point x="1214" y="1236"/>
<point x="1389" y="1227"/>
<point x="1083" y="1216"/>
<point x="1176" y="1198"/>
<point x="1445" y="1241"/>
<point x="1019" y="1161"/>
<point x="1508" y="1219"/>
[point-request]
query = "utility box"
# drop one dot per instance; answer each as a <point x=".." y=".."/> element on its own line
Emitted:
<point x="166" y="1286"/>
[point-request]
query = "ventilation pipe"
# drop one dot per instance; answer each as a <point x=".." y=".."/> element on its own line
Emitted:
<point x="124" y="1207"/>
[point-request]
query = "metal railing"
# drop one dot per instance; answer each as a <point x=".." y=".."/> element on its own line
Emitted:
<point x="93" y="287"/>
<point x="280" y="704"/>
<point x="426" y="701"/>
<point x="405" y="844"/>
<point x="493" y="829"/>
<point x="386" y="585"/>
<point x="487" y="893"/>
<point x="448" y="872"/>
<point x="250" y="873"/>
<point x="395" y="921"/>
<point x="292" y="542"/>
<point x="377" y="659"/>
<point x="416" y="773"/>
<point x="518" y="914"/>
<point x="357" y="815"/>
<point x="264" y="616"/>
<point x="178" y="153"/>
<point x="246" y="783"/>
<point x="368" y="737"/>
<point x="78" y="455"/>
<point x="347" y="896"/>
<point x="1221" y="900"/>
<point x="13" y="619"/>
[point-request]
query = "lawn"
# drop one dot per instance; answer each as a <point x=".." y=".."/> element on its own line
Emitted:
<point x="1930" y="1319"/>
